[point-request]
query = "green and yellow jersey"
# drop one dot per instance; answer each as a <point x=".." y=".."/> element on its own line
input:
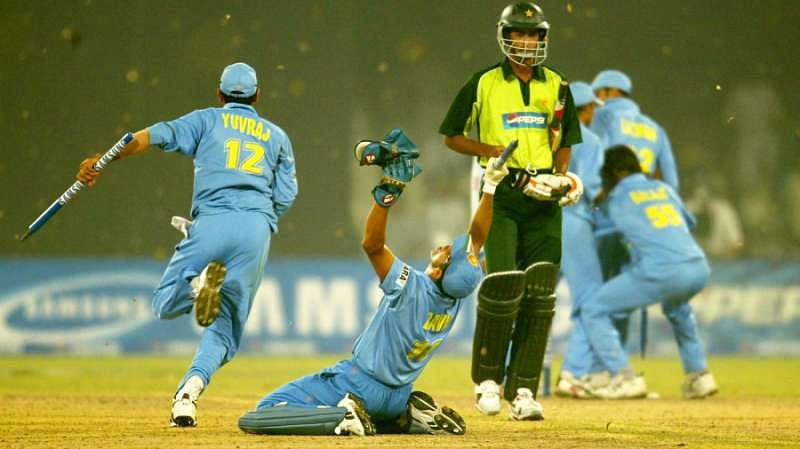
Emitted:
<point x="502" y="108"/>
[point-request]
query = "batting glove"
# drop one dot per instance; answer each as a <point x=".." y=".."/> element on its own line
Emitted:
<point x="575" y="191"/>
<point x="493" y="176"/>
<point x="546" y="187"/>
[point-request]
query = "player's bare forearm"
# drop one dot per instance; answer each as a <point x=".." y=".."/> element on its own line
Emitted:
<point x="464" y="145"/>
<point x="139" y="144"/>
<point x="88" y="175"/>
<point x="562" y="157"/>
<point x="481" y="221"/>
<point x="374" y="243"/>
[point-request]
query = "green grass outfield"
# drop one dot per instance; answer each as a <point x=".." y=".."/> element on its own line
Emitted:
<point x="124" y="402"/>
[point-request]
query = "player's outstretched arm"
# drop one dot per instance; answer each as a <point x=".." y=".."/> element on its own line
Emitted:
<point x="482" y="219"/>
<point x="374" y="243"/>
<point x="86" y="172"/>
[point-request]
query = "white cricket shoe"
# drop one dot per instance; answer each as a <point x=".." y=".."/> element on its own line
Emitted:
<point x="205" y="289"/>
<point x="427" y="417"/>
<point x="356" y="420"/>
<point x="569" y="386"/>
<point x="525" y="408"/>
<point x="184" y="412"/>
<point x="184" y="405"/>
<point x="487" y="397"/>
<point x="597" y="379"/>
<point x="698" y="385"/>
<point x="623" y="386"/>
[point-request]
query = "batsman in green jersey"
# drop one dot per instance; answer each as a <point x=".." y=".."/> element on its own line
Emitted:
<point x="518" y="99"/>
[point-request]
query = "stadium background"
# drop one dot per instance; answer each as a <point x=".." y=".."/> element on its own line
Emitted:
<point x="719" y="77"/>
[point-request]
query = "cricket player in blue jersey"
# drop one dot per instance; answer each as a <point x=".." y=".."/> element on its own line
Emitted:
<point x="667" y="267"/>
<point x="580" y="264"/>
<point x="244" y="181"/>
<point x="621" y="122"/>
<point x="413" y="318"/>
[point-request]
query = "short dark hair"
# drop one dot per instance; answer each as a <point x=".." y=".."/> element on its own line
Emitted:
<point x="247" y="100"/>
<point x="618" y="158"/>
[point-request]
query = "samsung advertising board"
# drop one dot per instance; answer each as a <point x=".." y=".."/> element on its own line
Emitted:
<point x="309" y="307"/>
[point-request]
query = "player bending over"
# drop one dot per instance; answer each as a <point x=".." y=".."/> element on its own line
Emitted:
<point x="414" y="317"/>
<point x="667" y="267"/>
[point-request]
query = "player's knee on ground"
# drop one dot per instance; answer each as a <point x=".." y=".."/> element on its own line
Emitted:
<point x="499" y="296"/>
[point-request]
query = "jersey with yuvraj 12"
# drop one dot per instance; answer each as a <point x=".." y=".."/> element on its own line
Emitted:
<point x="621" y="121"/>
<point x="411" y="322"/>
<point x="242" y="161"/>
<point x="654" y="222"/>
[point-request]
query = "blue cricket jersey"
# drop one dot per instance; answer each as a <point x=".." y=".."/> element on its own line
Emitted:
<point x="586" y="161"/>
<point x="654" y="222"/>
<point x="412" y="320"/>
<point x="621" y="121"/>
<point x="242" y="162"/>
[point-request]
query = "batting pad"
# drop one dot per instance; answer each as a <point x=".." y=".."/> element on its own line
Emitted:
<point x="499" y="297"/>
<point x="291" y="420"/>
<point x="532" y="329"/>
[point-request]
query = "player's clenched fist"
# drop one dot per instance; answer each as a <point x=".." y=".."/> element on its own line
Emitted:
<point x="86" y="172"/>
<point x="493" y="176"/>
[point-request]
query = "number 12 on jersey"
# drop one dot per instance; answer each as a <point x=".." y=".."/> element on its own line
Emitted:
<point x="254" y="154"/>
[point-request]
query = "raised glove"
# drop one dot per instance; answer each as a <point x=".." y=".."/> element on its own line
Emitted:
<point x="395" y="144"/>
<point x="575" y="191"/>
<point x="396" y="175"/>
<point x="546" y="187"/>
<point x="493" y="176"/>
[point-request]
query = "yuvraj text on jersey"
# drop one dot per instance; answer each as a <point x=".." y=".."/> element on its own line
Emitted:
<point x="246" y="125"/>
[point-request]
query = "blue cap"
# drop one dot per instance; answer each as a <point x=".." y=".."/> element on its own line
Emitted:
<point x="582" y="94"/>
<point x="238" y="80"/>
<point x="612" y="78"/>
<point x="464" y="272"/>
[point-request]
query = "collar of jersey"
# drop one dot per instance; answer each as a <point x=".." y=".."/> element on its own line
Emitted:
<point x="538" y="72"/>
<point x="622" y="103"/>
<point x="239" y="106"/>
<point x="636" y="177"/>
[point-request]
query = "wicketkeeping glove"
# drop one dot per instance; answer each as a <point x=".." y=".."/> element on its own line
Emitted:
<point x="396" y="175"/>
<point x="395" y="144"/>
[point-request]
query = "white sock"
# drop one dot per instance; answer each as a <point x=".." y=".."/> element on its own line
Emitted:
<point x="194" y="387"/>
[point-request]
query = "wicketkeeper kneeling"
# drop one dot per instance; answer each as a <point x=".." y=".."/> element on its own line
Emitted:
<point x="372" y="391"/>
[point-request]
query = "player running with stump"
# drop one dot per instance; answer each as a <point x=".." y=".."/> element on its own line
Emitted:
<point x="518" y="99"/>
<point x="413" y="318"/>
<point x="244" y="181"/>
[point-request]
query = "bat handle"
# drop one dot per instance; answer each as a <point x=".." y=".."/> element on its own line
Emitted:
<point x="507" y="152"/>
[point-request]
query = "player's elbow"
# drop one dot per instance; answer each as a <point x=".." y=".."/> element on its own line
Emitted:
<point x="451" y="142"/>
<point x="371" y="246"/>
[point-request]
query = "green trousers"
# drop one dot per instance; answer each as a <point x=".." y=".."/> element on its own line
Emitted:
<point x="524" y="230"/>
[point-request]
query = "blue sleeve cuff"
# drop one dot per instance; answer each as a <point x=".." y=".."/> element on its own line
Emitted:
<point x="160" y="134"/>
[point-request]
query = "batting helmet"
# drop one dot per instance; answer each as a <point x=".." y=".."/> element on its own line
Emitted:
<point x="523" y="16"/>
